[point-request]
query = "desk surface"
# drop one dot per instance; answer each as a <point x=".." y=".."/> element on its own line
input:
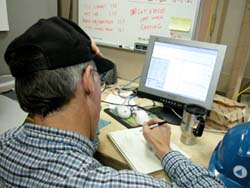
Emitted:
<point x="200" y="152"/>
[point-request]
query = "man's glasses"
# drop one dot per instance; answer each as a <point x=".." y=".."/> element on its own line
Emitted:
<point x="101" y="79"/>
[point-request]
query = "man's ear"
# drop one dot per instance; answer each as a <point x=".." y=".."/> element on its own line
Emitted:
<point x="87" y="80"/>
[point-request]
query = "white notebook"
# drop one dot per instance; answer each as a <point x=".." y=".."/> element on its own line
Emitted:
<point x="134" y="148"/>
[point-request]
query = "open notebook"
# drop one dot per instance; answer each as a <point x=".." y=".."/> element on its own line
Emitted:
<point x="134" y="148"/>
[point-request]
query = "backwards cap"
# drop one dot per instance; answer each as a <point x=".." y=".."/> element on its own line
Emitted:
<point x="62" y="42"/>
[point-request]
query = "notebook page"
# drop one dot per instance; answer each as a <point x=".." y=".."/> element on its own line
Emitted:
<point x="133" y="146"/>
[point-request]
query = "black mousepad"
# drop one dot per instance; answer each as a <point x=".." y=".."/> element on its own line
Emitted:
<point x="128" y="122"/>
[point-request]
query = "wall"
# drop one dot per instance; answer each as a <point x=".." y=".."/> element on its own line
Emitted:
<point x="129" y="64"/>
<point x="230" y="37"/>
<point x="21" y="15"/>
<point x="225" y="29"/>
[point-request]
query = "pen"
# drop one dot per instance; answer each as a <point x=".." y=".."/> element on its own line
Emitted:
<point x="157" y="124"/>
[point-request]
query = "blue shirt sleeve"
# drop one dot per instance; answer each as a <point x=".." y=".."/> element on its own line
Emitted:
<point x="184" y="173"/>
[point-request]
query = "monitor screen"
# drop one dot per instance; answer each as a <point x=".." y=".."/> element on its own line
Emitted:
<point x="178" y="72"/>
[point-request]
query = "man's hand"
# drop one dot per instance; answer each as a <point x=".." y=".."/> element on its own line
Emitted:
<point x="158" y="138"/>
<point x="95" y="48"/>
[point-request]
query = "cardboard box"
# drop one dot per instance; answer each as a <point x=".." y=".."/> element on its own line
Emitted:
<point x="225" y="113"/>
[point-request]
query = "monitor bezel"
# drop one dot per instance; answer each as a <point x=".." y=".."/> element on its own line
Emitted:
<point x="173" y="99"/>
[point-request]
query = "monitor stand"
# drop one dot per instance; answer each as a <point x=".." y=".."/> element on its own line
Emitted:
<point x="167" y="114"/>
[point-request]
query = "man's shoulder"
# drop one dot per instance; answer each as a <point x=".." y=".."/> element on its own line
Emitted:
<point x="8" y="136"/>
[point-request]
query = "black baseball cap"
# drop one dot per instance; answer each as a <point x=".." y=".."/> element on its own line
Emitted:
<point x="62" y="42"/>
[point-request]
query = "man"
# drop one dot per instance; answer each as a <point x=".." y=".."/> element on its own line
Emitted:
<point x="58" y="84"/>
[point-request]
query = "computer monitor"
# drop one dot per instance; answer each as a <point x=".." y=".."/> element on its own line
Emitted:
<point x="178" y="72"/>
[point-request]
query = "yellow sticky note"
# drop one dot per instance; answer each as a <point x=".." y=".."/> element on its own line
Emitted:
<point x="180" y="24"/>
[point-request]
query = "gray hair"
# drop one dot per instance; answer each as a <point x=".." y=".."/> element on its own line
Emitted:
<point x="47" y="91"/>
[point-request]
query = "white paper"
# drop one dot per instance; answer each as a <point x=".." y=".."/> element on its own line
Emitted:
<point x="133" y="146"/>
<point x="4" y="24"/>
<point x="119" y="99"/>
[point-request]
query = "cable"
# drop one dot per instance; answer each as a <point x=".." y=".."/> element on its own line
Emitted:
<point x="130" y="98"/>
<point x="214" y="130"/>
<point x="132" y="105"/>
<point x="130" y="82"/>
<point x="211" y="23"/>
<point x="103" y="87"/>
<point x="150" y="106"/>
<point x="241" y="92"/>
<point x="178" y="115"/>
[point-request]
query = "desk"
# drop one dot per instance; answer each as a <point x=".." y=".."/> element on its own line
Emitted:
<point x="108" y="155"/>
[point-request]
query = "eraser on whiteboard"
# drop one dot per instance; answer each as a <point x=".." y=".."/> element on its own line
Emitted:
<point x="141" y="47"/>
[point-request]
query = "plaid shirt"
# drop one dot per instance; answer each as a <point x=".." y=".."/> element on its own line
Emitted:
<point x="39" y="156"/>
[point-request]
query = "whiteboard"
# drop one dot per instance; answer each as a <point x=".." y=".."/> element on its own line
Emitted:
<point x="4" y="24"/>
<point x="129" y="23"/>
